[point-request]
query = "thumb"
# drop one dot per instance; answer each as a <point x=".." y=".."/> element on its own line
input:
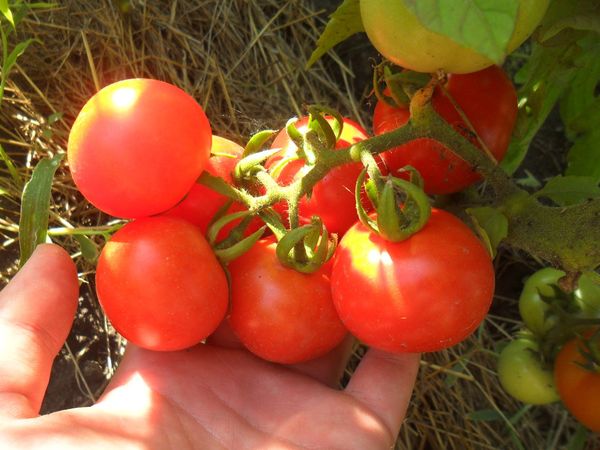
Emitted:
<point x="36" y="312"/>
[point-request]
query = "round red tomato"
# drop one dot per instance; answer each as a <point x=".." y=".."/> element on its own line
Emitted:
<point x="422" y="294"/>
<point x="279" y="314"/>
<point x="201" y="203"/>
<point x="578" y="387"/>
<point x="160" y="284"/>
<point x="489" y="101"/>
<point x="332" y="198"/>
<point x="137" y="147"/>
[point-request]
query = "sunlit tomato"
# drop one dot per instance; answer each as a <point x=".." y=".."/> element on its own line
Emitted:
<point x="488" y="100"/>
<point x="279" y="314"/>
<point x="202" y="203"/>
<point x="578" y="387"/>
<point x="160" y="284"/>
<point x="399" y="36"/>
<point x="523" y="376"/>
<point x="422" y="294"/>
<point x="332" y="198"/>
<point x="137" y="146"/>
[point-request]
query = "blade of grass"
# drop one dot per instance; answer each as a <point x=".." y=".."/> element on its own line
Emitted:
<point x="35" y="207"/>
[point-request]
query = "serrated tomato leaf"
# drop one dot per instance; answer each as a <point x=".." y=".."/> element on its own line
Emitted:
<point x="545" y="77"/>
<point x="491" y="225"/>
<point x="343" y="23"/>
<point x="481" y="25"/>
<point x="570" y="190"/>
<point x="35" y="206"/>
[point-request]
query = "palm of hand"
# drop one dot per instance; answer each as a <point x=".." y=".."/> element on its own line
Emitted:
<point x="215" y="396"/>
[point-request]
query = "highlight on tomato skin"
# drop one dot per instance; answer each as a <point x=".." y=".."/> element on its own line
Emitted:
<point x="160" y="284"/>
<point x="137" y="146"/>
<point x="487" y="98"/>
<point x="423" y="294"/>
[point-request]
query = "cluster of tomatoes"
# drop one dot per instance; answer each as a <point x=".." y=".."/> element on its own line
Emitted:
<point x="547" y="361"/>
<point x="136" y="151"/>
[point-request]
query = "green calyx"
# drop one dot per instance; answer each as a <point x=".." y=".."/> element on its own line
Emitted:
<point x="306" y="248"/>
<point x="402" y="208"/>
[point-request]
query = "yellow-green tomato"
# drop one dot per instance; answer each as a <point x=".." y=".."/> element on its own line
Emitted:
<point x="399" y="36"/>
<point x="522" y="375"/>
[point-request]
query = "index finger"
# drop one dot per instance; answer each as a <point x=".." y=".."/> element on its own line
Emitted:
<point x="384" y="383"/>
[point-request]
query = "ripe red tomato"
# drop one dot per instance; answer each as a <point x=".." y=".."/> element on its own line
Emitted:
<point x="488" y="100"/>
<point x="332" y="198"/>
<point x="201" y="203"/>
<point x="137" y="146"/>
<point x="422" y="294"/>
<point x="279" y="314"/>
<point x="579" y="389"/>
<point x="160" y="284"/>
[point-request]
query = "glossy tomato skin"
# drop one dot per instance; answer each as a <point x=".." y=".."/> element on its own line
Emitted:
<point x="160" y="284"/>
<point x="579" y="389"/>
<point x="399" y="36"/>
<point x="422" y="294"/>
<point x="332" y="197"/>
<point x="202" y="203"/>
<point x="488" y="99"/>
<point x="137" y="147"/>
<point x="523" y="376"/>
<point x="279" y="314"/>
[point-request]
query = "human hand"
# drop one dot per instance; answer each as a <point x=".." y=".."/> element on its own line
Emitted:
<point x="215" y="395"/>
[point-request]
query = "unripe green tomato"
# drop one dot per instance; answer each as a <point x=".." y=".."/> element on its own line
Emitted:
<point x="522" y="376"/>
<point x="399" y="36"/>
<point x="533" y="309"/>
<point x="588" y="296"/>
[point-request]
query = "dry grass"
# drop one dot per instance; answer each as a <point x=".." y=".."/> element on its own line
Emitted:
<point x="243" y="61"/>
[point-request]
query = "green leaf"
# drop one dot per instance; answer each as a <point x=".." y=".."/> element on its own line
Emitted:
<point x="491" y="224"/>
<point x="579" y="439"/>
<point x="584" y="156"/>
<point x="17" y="51"/>
<point x="481" y="25"/>
<point x="343" y="23"/>
<point x="35" y="206"/>
<point x="546" y="75"/>
<point x="570" y="190"/>
<point x="89" y="249"/>
<point x="589" y="22"/>
<point x="6" y="12"/>
<point x="11" y="167"/>
<point x="580" y="105"/>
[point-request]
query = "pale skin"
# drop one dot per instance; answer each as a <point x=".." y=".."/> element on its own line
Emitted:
<point x="213" y="396"/>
